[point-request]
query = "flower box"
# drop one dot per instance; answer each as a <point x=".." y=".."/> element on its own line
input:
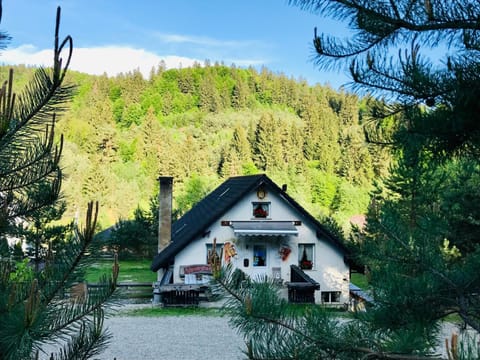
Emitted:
<point x="306" y="265"/>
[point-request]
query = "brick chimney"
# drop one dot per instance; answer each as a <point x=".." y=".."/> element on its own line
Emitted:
<point x="165" y="212"/>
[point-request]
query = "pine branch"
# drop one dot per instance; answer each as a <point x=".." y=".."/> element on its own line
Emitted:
<point x="82" y="241"/>
<point x="45" y="92"/>
<point x="28" y="153"/>
<point x="264" y="319"/>
<point x="89" y="340"/>
<point x="40" y="162"/>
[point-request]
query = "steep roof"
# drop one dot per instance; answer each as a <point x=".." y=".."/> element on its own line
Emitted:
<point x="196" y="221"/>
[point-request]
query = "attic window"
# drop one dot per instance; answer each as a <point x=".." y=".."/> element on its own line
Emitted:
<point x="261" y="210"/>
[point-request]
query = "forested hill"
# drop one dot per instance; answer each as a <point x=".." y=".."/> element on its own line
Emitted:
<point x="204" y="124"/>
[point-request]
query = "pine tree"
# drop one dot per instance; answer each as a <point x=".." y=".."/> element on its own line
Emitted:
<point x="209" y="98"/>
<point x="240" y="91"/>
<point x="29" y="156"/>
<point x="150" y="131"/>
<point x="39" y="231"/>
<point x="51" y="306"/>
<point x="136" y="237"/>
<point x="420" y="269"/>
<point x="40" y="306"/>
<point x="267" y="151"/>
<point x="237" y="154"/>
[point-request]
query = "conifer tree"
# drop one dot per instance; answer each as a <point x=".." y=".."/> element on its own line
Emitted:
<point x="209" y="98"/>
<point x="267" y="151"/>
<point x="39" y="231"/>
<point x="237" y="154"/>
<point x="418" y="275"/>
<point x="240" y="91"/>
<point x="41" y="306"/>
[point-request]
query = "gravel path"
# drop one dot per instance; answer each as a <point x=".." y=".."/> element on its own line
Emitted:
<point x="172" y="338"/>
<point x="184" y="338"/>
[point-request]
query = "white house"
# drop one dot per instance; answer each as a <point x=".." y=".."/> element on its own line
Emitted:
<point x="261" y="230"/>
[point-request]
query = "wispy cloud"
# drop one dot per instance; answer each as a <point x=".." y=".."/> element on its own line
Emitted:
<point x="245" y="62"/>
<point x="205" y="41"/>
<point x="110" y="60"/>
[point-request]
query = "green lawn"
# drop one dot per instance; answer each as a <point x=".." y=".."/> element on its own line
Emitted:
<point x="360" y="280"/>
<point x="130" y="270"/>
<point x="157" y="311"/>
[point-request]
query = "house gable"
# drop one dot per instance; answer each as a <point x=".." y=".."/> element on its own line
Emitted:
<point x="196" y="222"/>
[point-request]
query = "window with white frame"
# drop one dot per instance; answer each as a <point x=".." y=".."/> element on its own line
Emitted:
<point x="260" y="210"/>
<point x="330" y="297"/>
<point x="306" y="253"/>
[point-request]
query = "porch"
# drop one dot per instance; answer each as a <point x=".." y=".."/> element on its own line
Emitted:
<point x="301" y="288"/>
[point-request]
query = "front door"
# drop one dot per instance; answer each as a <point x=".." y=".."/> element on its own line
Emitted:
<point x="259" y="260"/>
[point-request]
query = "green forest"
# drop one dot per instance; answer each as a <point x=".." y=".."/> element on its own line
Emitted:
<point x="405" y="153"/>
<point x="204" y="124"/>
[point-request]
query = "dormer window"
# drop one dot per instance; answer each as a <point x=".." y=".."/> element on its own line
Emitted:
<point x="261" y="210"/>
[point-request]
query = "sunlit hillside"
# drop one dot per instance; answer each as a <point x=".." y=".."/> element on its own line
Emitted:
<point x="203" y="124"/>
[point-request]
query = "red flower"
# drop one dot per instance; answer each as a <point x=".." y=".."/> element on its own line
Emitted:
<point x="306" y="264"/>
<point x="260" y="212"/>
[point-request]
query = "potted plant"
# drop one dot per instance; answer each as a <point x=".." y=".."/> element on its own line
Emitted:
<point x="305" y="264"/>
<point x="260" y="212"/>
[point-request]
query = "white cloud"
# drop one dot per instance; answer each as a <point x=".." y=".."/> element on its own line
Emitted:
<point x="28" y="55"/>
<point x="111" y="60"/>
<point x="114" y="60"/>
<point x="206" y="41"/>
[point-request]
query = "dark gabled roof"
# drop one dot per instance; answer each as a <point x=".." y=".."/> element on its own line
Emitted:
<point x="196" y="221"/>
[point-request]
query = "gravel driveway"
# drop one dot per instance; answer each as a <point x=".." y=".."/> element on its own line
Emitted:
<point x="184" y="338"/>
<point x="172" y="338"/>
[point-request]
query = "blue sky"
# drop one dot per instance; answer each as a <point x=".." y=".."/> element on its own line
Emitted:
<point x="119" y="35"/>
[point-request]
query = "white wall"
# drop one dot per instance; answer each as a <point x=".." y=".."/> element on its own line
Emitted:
<point x="329" y="270"/>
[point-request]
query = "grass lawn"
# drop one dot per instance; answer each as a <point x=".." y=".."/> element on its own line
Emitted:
<point x="130" y="271"/>
<point x="360" y="280"/>
<point x="157" y="311"/>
